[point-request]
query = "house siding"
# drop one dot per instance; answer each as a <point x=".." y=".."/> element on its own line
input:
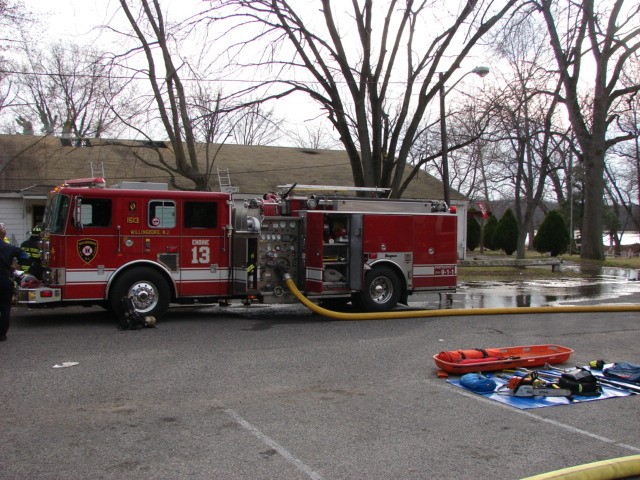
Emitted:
<point x="13" y="215"/>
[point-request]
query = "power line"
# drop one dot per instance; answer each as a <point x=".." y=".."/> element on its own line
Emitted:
<point x="189" y="79"/>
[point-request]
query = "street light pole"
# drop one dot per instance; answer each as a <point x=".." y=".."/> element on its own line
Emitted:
<point x="443" y="142"/>
<point x="481" y="72"/>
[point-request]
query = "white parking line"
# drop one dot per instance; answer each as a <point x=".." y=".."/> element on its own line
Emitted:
<point x="309" y="472"/>
<point x="536" y="417"/>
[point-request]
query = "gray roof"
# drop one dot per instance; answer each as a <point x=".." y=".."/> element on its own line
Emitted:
<point x="33" y="163"/>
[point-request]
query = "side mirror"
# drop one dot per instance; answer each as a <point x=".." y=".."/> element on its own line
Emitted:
<point x="77" y="214"/>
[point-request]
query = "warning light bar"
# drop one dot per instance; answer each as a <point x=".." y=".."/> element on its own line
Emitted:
<point x="96" y="182"/>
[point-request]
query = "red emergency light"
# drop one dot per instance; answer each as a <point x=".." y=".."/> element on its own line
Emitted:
<point x="96" y="182"/>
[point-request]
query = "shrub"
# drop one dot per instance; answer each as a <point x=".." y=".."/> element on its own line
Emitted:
<point x="473" y="233"/>
<point x="505" y="236"/>
<point x="553" y="235"/>
<point x="489" y="230"/>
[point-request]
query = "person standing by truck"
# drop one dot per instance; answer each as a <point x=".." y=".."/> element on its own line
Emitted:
<point x="30" y="246"/>
<point x="4" y="236"/>
<point x="8" y="254"/>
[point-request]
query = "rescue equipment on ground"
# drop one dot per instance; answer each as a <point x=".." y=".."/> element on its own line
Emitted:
<point x="580" y="382"/>
<point x="629" y="372"/>
<point x="493" y="359"/>
<point x="531" y="385"/>
<point x="131" y="319"/>
<point x="607" y="381"/>
<point x="477" y="382"/>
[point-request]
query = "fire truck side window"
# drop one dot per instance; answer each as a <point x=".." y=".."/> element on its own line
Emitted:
<point x="96" y="212"/>
<point x="59" y="208"/>
<point x="200" y="214"/>
<point x="162" y="214"/>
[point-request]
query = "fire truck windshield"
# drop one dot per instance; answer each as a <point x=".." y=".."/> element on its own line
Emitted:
<point x="56" y="213"/>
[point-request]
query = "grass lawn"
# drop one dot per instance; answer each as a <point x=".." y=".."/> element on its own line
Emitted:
<point x="587" y="268"/>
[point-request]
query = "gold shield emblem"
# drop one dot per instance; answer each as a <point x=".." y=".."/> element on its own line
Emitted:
<point x="87" y="249"/>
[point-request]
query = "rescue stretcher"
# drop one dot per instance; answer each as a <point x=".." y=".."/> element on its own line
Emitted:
<point x="493" y="359"/>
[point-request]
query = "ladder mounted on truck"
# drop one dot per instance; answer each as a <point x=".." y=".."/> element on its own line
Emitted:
<point x="224" y="181"/>
<point x="343" y="198"/>
<point x="335" y="189"/>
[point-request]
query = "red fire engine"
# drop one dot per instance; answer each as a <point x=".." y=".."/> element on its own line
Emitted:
<point x="159" y="247"/>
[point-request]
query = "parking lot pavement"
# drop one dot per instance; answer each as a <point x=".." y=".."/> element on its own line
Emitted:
<point x="279" y="393"/>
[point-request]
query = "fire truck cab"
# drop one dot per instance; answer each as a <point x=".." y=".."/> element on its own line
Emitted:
<point x="159" y="247"/>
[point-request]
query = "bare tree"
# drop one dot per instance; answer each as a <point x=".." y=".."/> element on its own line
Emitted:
<point x="620" y="188"/>
<point x="527" y="116"/>
<point x="72" y="90"/>
<point x="13" y="16"/>
<point x="609" y="37"/>
<point x="468" y="146"/>
<point x="256" y="126"/>
<point x="357" y="58"/>
<point x="169" y="95"/>
<point x="187" y="115"/>
<point x="628" y="153"/>
<point x="313" y="137"/>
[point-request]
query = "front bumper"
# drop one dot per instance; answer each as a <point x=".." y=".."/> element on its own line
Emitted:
<point x="40" y="295"/>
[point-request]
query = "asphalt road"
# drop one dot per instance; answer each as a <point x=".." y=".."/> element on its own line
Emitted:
<point x="266" y="393"/>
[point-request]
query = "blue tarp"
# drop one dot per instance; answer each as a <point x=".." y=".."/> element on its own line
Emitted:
<point x="502" y="395"/>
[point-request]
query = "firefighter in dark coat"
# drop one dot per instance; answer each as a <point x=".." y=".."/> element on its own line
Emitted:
<point x="8" y="253"/>
<point x="30" y="245"/>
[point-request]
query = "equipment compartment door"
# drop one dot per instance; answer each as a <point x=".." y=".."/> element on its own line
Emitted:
<point x="355" y="251"/>
<point x="435" y="264"/>
<point x="314" y="251"/>
<point x="204" y="249"/>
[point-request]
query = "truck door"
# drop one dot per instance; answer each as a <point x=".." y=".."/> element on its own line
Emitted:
<point x="204" y="256"/>
<point x="132" y="221"/>
<point x="90" y="247"/>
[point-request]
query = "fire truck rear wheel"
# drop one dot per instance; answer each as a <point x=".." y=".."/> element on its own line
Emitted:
<point x="148" y="289"/>
<point x="381" y="290"/>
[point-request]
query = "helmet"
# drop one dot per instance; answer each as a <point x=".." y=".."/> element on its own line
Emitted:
<point x="36" y="230"/>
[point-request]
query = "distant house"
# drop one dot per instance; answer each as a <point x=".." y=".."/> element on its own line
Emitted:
<point x="30" y="166"/>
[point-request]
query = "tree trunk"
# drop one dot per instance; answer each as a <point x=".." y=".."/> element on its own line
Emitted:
<point x="593" y="207"/>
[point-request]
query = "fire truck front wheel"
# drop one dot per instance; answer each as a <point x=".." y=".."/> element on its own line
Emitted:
<point x="381" y="290"/>
<point x="147" y="288"/>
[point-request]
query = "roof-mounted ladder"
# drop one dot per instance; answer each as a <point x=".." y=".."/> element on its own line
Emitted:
<point x="224" y="180"/>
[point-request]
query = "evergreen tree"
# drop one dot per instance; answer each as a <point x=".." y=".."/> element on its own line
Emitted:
<point x="553" y="235"/>
<point x="489" y="230"/>
<point x="473" y="233"/>
<point x="505" y="236"/>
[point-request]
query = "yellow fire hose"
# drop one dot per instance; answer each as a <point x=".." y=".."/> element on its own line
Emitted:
<point x="452" y="312"/>
<point x="607" y="469"/>
<point x="623" y="467"/>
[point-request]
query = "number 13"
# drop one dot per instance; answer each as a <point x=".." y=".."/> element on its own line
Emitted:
<point x="200" y="255"/>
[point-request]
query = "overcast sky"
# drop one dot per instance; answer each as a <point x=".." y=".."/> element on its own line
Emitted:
<point x="76" y="21"/>
<point x="68" y="19"/>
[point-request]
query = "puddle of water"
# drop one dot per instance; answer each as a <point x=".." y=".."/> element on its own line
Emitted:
<point x="629" y="273"/>
<point x="609" y="285"/>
